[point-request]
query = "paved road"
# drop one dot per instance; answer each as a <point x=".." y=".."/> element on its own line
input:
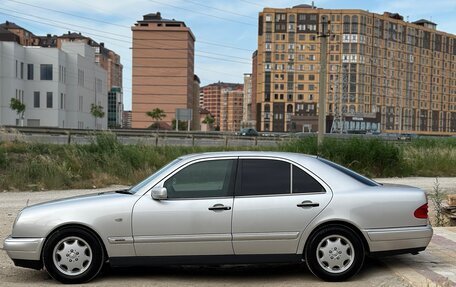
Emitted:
<point x="437" y="265"/>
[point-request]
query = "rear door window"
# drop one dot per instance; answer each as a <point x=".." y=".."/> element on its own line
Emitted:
<point x="263" y="177"/>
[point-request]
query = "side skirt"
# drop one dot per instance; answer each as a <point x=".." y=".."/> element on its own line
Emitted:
<point x="203" y="260"/>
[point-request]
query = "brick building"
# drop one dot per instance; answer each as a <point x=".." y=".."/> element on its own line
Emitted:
<point x="215" y="99"/>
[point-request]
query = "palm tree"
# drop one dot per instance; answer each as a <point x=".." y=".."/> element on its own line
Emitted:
<point x="157" y="115"/>
<point x="19" y="107"/>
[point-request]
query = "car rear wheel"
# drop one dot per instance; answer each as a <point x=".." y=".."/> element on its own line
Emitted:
<point x="73" y="255"/>
<point x="334" y="253"/>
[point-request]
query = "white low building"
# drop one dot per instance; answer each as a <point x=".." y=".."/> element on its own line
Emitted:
<point x="57" y="86"/>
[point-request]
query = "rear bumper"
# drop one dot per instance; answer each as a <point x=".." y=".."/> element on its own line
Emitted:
<point x="389" y="239"/>
<point x="23" y="248"/>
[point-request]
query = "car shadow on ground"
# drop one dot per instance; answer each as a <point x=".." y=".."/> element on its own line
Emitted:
<point x="230" y="273"/>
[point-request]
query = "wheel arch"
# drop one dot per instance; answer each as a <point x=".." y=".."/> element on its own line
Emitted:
<point x="338" y="223"/>
<point x="75" y="225"/>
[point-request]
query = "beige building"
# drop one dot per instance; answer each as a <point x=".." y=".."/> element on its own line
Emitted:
<point x="163" y="68"/>
<point x="247" y="118"/>
<point x="383" y="73"/>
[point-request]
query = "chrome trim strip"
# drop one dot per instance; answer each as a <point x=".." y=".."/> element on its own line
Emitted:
<point x="182" y="238"/>
<point x="387" y="234"/>
<point x="265" y="236"/>
<point x="120" y="240"/>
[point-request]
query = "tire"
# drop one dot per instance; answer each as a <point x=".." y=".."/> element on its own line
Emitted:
<point x="334" y="253"/>
<point x="73" y="255"/>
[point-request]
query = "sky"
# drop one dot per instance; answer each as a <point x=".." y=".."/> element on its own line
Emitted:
<point x="225" y="30"/>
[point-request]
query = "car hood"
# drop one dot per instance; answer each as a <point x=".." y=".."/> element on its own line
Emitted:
<point x="92" y="210"/>
<point x="79" y="199"/>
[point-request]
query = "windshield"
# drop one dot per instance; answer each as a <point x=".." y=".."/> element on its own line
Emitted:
<point x="155" y="175"/>
<point x="350" y="173"/>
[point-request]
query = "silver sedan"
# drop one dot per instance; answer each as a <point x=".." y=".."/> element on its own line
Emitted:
<point x="226" y="208"/>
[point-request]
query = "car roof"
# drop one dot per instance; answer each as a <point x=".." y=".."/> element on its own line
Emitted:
<point x="284" y="155"/>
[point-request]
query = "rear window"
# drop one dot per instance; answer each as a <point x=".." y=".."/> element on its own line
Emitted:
<point x="350" y="173"/>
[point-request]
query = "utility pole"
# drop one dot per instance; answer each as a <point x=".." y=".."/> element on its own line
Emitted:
<point x="322" y="91"/>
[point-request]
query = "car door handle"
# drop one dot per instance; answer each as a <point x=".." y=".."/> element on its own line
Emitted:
<point x="308" y="203"/>
<point x="219" y="207"/>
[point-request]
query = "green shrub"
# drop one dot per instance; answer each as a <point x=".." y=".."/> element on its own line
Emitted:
<point x="372" y="157"/>
<point x="106" y="161"/>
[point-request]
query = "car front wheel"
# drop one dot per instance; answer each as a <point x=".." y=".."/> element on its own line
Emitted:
<point x="73" y="255"/>
<point x="334" y="253"/>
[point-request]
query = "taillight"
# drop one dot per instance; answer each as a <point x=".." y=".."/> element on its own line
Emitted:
<point x="421" y="212"/>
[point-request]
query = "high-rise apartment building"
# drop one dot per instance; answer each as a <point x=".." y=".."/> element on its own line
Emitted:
<point x="383" y="73"/>
<point x="163" y="68"/>
<point x="214" y="99"/>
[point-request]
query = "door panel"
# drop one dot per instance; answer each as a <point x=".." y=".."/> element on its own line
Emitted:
<point x="272" y="224"/>
<point x="195" y="218"/>
<point x="182" y="227"/>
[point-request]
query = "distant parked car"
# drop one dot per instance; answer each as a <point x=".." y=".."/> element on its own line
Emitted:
<point x="226" y="208"/>
<point x="405" y="137"/>
<point x="248" y="132"/>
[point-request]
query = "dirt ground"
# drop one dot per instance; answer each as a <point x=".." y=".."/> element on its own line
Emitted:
<point x="398" y="271"/>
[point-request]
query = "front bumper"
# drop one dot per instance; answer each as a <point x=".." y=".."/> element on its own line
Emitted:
<point x="389" y="239"/>
<point x="23" y="248"/>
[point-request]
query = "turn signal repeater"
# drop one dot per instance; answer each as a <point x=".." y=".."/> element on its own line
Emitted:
<point x="422" y="211"/>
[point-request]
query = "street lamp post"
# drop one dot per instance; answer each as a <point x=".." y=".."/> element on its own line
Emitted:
<point x="322" y="82"/>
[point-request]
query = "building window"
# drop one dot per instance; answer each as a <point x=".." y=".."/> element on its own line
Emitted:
<point x="80" y="103"/>
<point x="36" y="99"/>
<point x="62" y="101"/>
<point x="16" y="68"/>
<point x="311" y="77"/>
<point x="80" y="77"/>
<point x="311" y="87"/>
<point x="29" y="71"/>
<point x="98" y="85"/>
<point x="49" y="99"/>
<point x="22" y="70"/>
<point x="46" y="72"/>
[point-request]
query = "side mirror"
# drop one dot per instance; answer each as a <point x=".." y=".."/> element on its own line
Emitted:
<point x="159" y="193"/>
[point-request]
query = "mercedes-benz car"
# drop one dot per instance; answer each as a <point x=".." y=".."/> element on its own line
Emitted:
<point x="226" y="208"/>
